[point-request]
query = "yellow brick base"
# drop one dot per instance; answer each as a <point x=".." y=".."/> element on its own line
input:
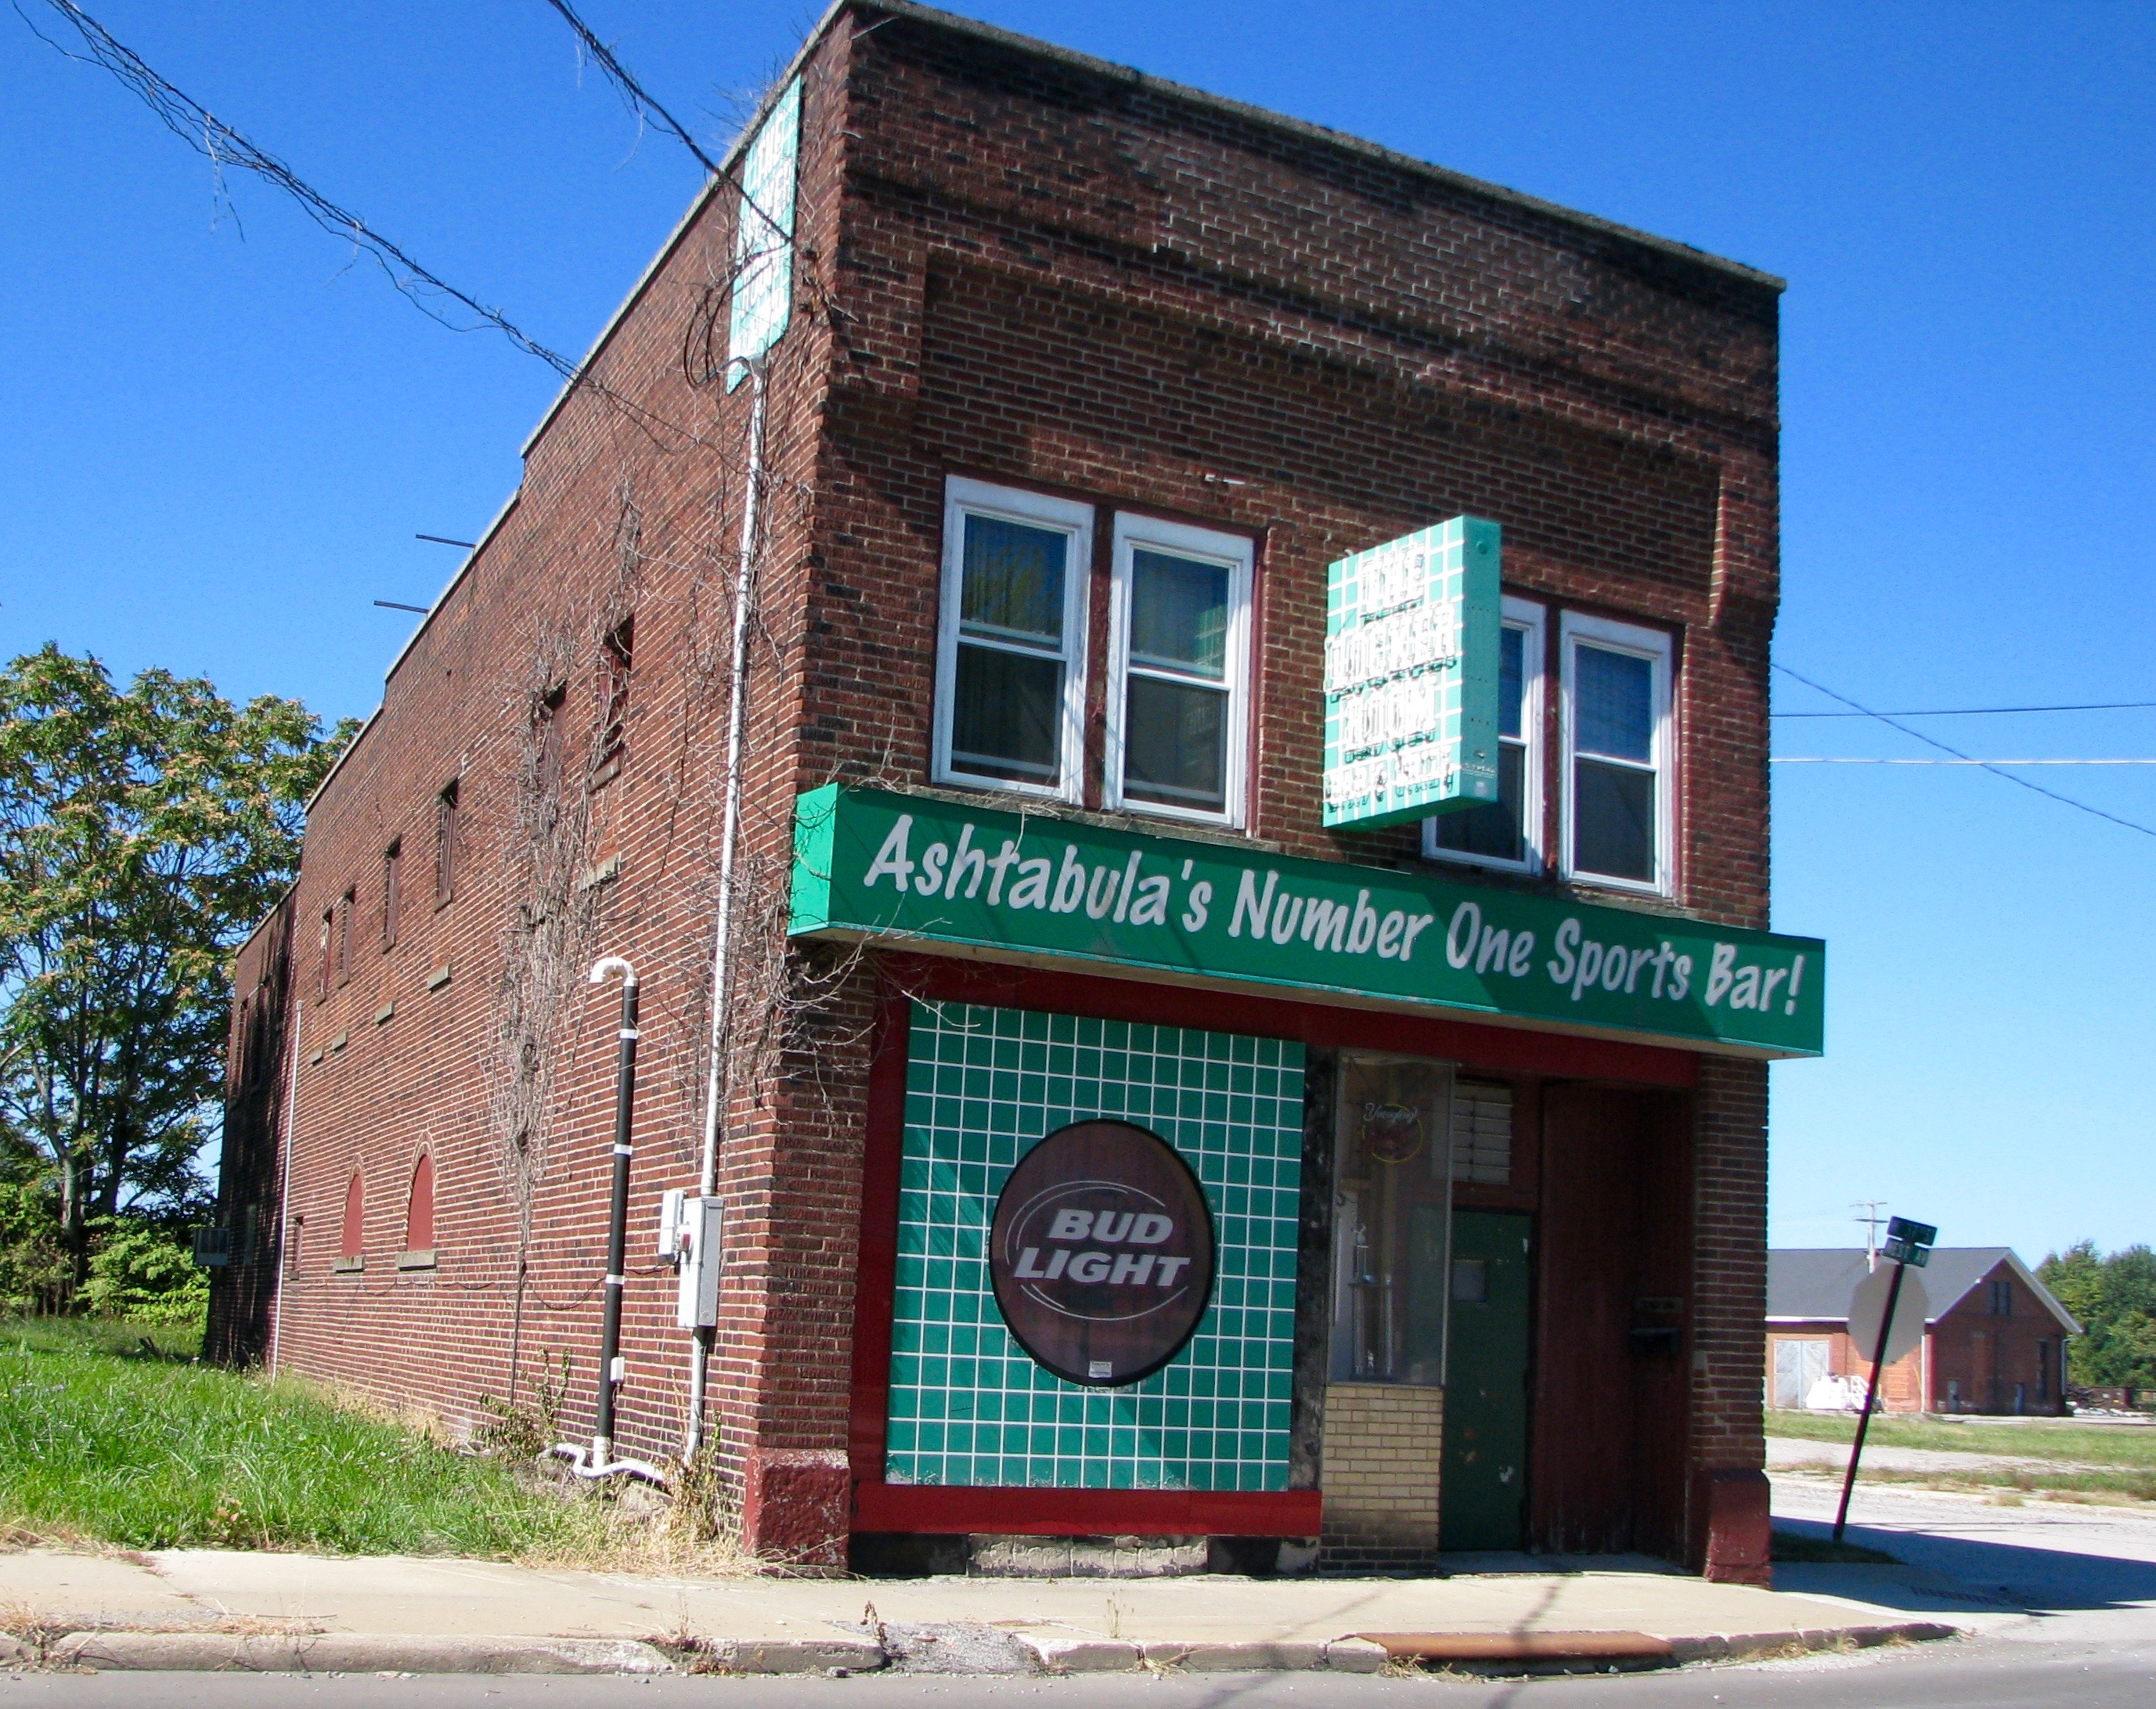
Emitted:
<point x="1382" y="1442"/>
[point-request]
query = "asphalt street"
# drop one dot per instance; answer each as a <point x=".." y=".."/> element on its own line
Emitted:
<point x="1981" y="1675"/>
<point x="2063" y="1598"/>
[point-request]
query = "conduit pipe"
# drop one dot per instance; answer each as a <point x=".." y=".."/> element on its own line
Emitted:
<point x="600" y="1461"/>
<point x="722" y="968"/>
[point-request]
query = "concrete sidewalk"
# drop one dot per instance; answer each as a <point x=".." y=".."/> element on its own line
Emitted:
<point x="194" y="1608"/>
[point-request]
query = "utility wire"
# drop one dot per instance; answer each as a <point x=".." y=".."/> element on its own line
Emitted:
<point x="640" y="101"/>
<point x="217" y="142"/>
<point x="1813" y="759"/>
<point x="208" y="135"/>
<point x="1890" y="721"/>
<point x="1982" y="712"/>
<point x="632" y="92"/>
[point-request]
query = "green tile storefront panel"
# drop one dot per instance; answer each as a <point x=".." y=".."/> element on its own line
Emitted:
<point x="967" y="1405"/>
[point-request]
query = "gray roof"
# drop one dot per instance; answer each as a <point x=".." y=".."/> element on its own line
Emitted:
<point x="1812" y="1284"/>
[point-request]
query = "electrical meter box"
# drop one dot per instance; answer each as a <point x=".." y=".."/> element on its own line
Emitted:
<point x="698" y="1260"/>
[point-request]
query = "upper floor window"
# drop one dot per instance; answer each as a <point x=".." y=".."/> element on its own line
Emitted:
<point x="2002" y="1297"/>
<point x="1507" y="832"/>
<point x="393" y="890"/>
<point x="1178" y="646"/>
<point x="1618" y="761"/>
<point x="445" y="843"/>
<point x="617" y="655"/>
<point x="547" y="738"/>
<point x="345" y="904"/>
<point x="1011" y="659"/>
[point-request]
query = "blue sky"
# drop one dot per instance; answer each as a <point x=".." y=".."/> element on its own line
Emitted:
<point x="218" y="436"/>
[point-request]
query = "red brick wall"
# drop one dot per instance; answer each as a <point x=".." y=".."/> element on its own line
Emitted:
<point x="1901" y="1384"/>
<point x="629" y="504"/>
<point x="1987" y="1356"/>
<point x="1013" y="267"/>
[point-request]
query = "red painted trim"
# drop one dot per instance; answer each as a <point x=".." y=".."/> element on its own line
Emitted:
<point x="1504" y="1049"/>
<point x="1040" y="1512"/>
<point x="877" y="1265"/>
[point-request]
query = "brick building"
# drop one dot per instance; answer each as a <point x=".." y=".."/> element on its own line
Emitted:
<point x="1045" y="408"/>
<point x="1995" y="1337"/>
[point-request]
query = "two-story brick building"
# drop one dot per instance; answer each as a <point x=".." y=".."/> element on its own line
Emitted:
<point x="1115" y="1133"/>
<point x="1995" y="1337"/>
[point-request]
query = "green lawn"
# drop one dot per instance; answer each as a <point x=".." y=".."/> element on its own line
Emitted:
<point x="2127" y="1446"/>
<point x="109" y="1431"/>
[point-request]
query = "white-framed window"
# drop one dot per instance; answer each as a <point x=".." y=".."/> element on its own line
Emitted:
<point x="1010" y="662"/>
<point x="1178" y="672"/>
<point x="1618" y="783"/>
<point x="1507" y="833"/>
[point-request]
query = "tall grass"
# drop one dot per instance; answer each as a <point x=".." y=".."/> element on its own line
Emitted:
<point x="108" y="1431"/>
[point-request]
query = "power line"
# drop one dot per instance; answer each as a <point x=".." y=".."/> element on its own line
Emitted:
<point x="1981" y="711"/>
<point x="188" y="119"/>
<point x="444" y="539"/>
<point x="1814" y="759"/>
<point x="210" y="137"/>
<point x="1890" y="721"/>
<point x="631" y="91"/>
<point x="640" y="101"/>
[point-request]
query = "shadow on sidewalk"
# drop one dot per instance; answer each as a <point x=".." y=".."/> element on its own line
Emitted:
<point x="1942" y="1574"/>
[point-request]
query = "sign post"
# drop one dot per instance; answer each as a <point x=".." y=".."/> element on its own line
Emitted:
<point x="1907" y="1244"/>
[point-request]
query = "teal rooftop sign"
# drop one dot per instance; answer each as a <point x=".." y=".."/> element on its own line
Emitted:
<point x="1411" y="644"/>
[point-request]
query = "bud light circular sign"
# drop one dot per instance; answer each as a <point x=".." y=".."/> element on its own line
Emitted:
<point x="1102" y="1253"/>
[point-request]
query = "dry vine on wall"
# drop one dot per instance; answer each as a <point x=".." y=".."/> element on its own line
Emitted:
<point x="556" y="899"/>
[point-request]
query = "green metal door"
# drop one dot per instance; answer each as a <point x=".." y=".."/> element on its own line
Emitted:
<point x="1482" y="1500"/>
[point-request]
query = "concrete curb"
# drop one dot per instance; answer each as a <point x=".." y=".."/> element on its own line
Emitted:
<point x="422" y="1653"/>
<point x="784" y="1656"/>
<point x="1490" y="1652"/>
<point x="1061" y="1656"/>
<point x="352" y="1652"/>
<point x="1289" y="1656"/>
<point x="1080" y="1655"/>
<point x="1739" y="1646"/>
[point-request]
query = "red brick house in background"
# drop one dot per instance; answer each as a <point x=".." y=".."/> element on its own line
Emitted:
<point x="1033" y="398"/>
<point x="1995" y="1337"/>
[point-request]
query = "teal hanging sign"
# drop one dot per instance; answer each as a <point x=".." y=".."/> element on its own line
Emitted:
<point x="1411" y="643"/>
<point x="876" y="865"/>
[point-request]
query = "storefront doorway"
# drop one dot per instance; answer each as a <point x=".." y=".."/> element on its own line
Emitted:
<point x="1483" y="1486"/>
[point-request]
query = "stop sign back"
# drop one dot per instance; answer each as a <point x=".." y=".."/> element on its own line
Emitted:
<point x="1867" y="1306"/>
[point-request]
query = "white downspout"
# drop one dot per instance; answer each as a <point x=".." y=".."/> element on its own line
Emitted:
<point x="707" y="1180"/>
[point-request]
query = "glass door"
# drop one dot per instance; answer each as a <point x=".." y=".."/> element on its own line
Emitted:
<point x="1392" y="1219"/>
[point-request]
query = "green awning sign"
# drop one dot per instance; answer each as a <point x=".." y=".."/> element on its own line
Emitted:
<point x="1412" y="632"/>
<point x="905" y="869"/>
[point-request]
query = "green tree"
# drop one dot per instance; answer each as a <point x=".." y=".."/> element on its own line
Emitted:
<point x="142" y="834"/>
<point x="2114" y="1298"/>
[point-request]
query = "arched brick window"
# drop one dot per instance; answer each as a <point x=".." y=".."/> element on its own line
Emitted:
<point x="351" y="1241"/>
<point x="420" y="1214"/>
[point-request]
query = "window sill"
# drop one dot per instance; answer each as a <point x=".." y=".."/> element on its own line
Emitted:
<point x="996" y="800"/>
<point x="347" y="1266"/>
<point x="416" y="1260"/>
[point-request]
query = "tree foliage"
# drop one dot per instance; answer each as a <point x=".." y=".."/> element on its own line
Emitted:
<point x="143" y="833"/>
<point x="2114" y="1297"/>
